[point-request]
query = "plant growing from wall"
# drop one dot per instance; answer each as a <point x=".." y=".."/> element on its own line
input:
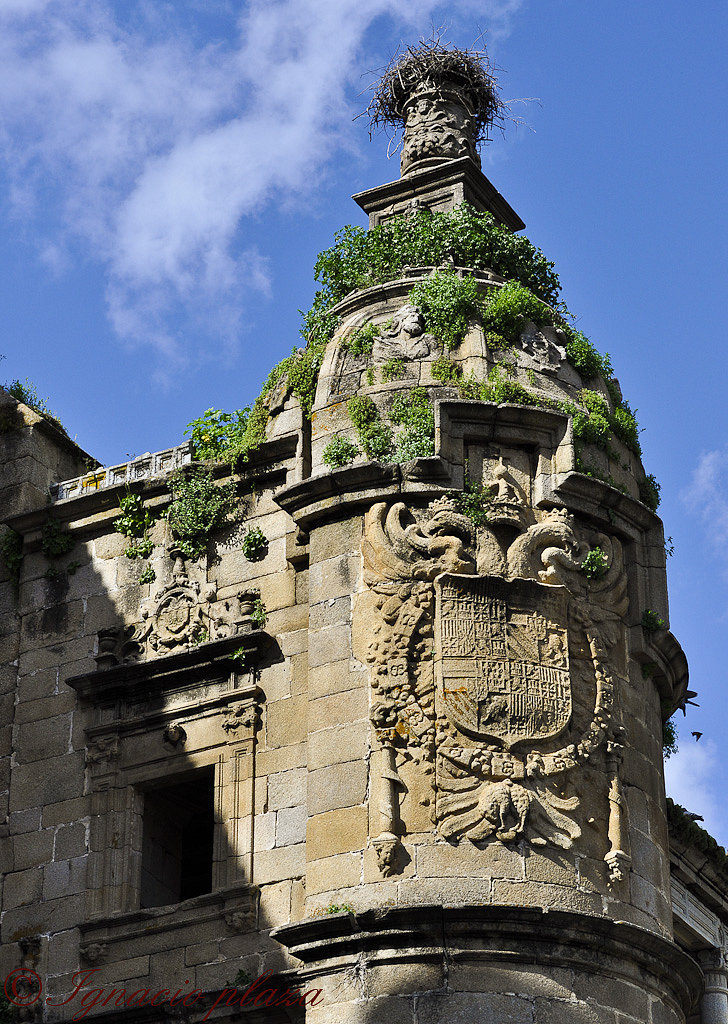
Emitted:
<point x="198" y="508"/>
<point x="27" y="393"/>
<point x="651" y="621"/>
<point x="340" y="451"/>
<point x="259" y="614"/>
<point x="361" y="341"/>
<point x="650" y="492"/>
<point x="447" y="303"/>
<point x="216" y="432"/>
<point x="595" y="564"/>
<point x="412" y="410"/>
<point x="54" y="540"/>
<point x="393" y="369"/>
<point x="254" y="544"/>
<point x="375" y="436"/>
<point x="475" y="500"/>
<point x="135" y="522"/>
<point x="447" y="372"/>
<point x="669" y="737"/>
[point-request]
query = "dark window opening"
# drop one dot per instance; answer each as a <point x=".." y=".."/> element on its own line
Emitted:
<point x="177" y="839"/>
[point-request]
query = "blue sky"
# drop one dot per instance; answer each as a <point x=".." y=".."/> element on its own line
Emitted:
<point x="169" y="171"/>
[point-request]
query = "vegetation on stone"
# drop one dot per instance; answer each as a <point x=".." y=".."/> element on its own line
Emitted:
<point x="11" y="553"/>
<point x="375" y="436"/>
<point x="198" y="508"/>
<point x="413" y="411"/>
<point x="447" y="303"/>
<point x="651" y="621"/>
<point x="595" y="564"/>
<point x="475" y="501"/>
<point x="27" y="393"/>
<point x="254" y="544"/>
<point x="54" y="540"/>
<point x="340" y="451"/>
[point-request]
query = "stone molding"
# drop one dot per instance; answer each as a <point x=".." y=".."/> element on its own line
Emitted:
<point x="235" y="907"/>
<point x="439" y="188"/>
<point x="492" y="935"/>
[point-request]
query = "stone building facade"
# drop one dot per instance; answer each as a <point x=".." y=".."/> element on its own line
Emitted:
<point x="406" y="761"/>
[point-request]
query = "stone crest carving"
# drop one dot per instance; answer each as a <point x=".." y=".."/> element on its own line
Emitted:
<point x="503" y="657"/>
<point x="182" y="614"/>
<point x="480" y="642"/>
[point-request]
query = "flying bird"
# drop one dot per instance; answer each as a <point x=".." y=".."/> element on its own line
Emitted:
<point x="697" y="735"/>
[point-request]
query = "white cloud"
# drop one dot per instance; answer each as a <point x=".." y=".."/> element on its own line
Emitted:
<point x="693" y="779"/>
<point x="707" y="495"/>
<point x="156" y="140"/>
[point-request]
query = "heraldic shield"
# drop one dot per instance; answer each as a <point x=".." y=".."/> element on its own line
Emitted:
<point x="502" y="657"/>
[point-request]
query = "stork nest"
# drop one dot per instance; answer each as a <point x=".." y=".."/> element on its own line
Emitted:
<point x="434" y="66"/>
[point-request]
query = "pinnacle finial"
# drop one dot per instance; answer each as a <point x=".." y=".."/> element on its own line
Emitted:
<point x="445" y="99"/>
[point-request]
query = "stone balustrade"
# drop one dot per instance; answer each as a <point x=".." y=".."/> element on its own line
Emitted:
<point x="144" y="467"/>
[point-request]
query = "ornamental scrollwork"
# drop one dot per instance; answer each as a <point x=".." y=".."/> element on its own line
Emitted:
<point x="495" y="666"/>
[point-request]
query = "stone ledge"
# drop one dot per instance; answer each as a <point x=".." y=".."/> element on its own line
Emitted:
<point x="509" y="935"/>
<point x="446" y="183"/>
<point x="133" y="680"/>
<point x="136" y="925"/>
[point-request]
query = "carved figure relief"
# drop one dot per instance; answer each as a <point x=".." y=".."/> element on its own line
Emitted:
<point x="404" y="337"/>
<point x="437" y="127"/>
<point x="489" y="717"/>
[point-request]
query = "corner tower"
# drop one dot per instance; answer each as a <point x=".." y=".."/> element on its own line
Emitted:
<point x="489" y="661"/>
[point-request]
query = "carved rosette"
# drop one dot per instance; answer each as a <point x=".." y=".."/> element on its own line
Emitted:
<point x="480" y="644"/>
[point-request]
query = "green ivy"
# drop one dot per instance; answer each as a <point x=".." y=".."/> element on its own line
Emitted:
<point x="413" y="411"/>
<point x="361" y="341"/>
<point x="360" y="258"/>
<point x="340" y="451"/>
<point x="54" y="540"/>
<point x="134" y="522"/>
<point x="475" y="501"/>
<point x="198" y="508"/>
<point x="507" y="311"/>
<point x="669" y="734"/>
<point x="259" y="614"/>
<point x="147" y="575"/>
<point x="650" y="492"/>
<point x="595" y="564"/>
<point x="27" y="393"/>
<point x="444" y="370"/>
<point x="625" y="427"/>
<point x="447" y="303"/>
<point x="374" y="435"/>
<point x="254" y="544"/>
<point x="216" y="433"/>
<point x="651" y="621"/>
<point x="393" y="369"/>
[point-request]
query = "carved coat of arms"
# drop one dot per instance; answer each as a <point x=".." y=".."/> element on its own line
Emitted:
<point x="475" y="639"/>
<point x="502" y="657"/>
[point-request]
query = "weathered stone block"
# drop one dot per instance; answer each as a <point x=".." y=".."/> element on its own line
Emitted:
<point x="291" y="826"/>
<point x="342" y="785"/>
<point x="337" y="832"/>
<point x="286" y="722"/>
<point x="332" y="746"/>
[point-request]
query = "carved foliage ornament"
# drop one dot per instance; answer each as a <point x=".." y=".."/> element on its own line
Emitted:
<point x="491" y="716"/>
